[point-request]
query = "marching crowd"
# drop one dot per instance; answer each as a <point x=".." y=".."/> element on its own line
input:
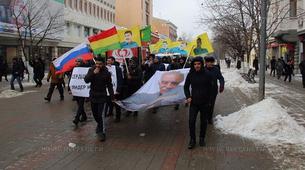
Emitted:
<point x="200" y="98"/>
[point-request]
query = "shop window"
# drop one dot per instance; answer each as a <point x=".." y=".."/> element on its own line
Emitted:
<point x="293" y="8"/>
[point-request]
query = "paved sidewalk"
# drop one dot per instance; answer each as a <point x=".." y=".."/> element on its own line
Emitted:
<point x="35" y="135"/>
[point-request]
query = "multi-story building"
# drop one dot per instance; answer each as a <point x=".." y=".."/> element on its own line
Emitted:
<point x="133" y="13"/>
<point x="81" y="18"/>
<point x="164" y="28"/>
<point x="286" y="26"/>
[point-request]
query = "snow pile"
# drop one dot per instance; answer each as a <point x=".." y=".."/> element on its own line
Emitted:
<point x="234" y="79"/>
<point x="12" y="93"/>
<point x="266" y="122"/>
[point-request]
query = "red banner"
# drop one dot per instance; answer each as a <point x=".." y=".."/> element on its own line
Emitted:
<point x="120" y="54"/>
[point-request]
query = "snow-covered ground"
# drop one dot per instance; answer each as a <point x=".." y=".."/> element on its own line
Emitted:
<point x="267" y="122"/>
<point x="14" y="93"/>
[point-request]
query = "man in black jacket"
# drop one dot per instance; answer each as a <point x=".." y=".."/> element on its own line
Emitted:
<point x="17" y="72"/>
<point x="273" y="66"/>
<point x="302" y="69"/>
<point x="100" y="80"/>
<point x="216" y="75"/>
<point x="199" y="99"/>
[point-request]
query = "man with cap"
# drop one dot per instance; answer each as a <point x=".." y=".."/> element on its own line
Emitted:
<point x="100" y="80"/>
<point x="199" y="98"/>
<point x="80" y="114"/>
<point x="216" y="75"/>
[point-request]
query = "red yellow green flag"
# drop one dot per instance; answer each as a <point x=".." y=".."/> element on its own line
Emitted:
<point x="105" y="41"/>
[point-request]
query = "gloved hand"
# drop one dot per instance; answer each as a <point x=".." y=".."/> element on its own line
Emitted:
<point x="221" y="88"/>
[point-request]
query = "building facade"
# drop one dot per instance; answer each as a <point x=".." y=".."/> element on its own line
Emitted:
<point x="288" y="30"/>
<point x="133" y="13"/>
<point x="164" y="28"/>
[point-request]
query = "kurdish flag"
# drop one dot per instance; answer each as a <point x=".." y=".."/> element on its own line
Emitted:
<point x="146" y="34"/>
<point x="66" y="62"/>
<point x="105" y="41"/>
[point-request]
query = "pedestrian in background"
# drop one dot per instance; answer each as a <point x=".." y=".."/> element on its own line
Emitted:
<point x="280" y="67"/>
<point x="38" y="70"/>
<point x="199" y="99"/>
<point x="3" y="68"/>
<point x="56" y="81"/>
<point x="288" y="70"/>
<point x="302" y="69"/>
<point x="273" y="66"/>
<point x="17" y="72"/>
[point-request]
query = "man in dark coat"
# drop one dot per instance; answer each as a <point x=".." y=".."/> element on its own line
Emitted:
<point x="133" y="77"/>
<point x="100" y="80"/>
<point x="216" y="75"/>
<point x="17" y="72"/>
<point x="302" y="69"/>
<point x="288" y="70"/>
<point x="273" y="66"/>
<point x="38" y="69"/>
<point x="3" y="68"/>
<point x="199" y="98"/>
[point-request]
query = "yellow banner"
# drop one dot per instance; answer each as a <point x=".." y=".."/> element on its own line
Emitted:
<point x="201" y="46"/>
<point x="130" y="38"/>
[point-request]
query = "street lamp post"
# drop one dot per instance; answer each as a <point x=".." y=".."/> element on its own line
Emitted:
<point x="262" y="50"/>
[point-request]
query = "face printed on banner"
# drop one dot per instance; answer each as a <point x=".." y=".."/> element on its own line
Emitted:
<point x="128" y="36"/>
<point x="170" y="80"/>
<point x="164" y="45"/>
<point x="197" y="65"/>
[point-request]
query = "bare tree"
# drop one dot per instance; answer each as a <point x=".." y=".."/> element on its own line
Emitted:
<point x="36" y="21"/>
<point x="236" y="23"/>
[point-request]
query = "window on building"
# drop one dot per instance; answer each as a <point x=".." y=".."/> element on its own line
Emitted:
<point x="113" y="17"/>
<point x="293" y="8"/>
<point x="105" y="14"/>
<point x="86" y="7"/>
<point x="75" y="4"/>
<point x="81" y="5"/>
<point x="147" y="19"/>
<point x="90" y="8"/>
<point x="70" y="3"/>
<point x="108" y="19"/>
<point x="79" y="30"/>
<point x="147" y="7"/>
<point x="86" y="31"/>
<point x="94" y="10"/>
<point x="67" y="30"/>
<point x="102" y="12"/>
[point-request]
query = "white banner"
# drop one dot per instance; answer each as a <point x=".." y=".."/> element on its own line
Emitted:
<point x="77" y="84"/>
<point x="112" y="71"/>
<point x="163" y="88"/>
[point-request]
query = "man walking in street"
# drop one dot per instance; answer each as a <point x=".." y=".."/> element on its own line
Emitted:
<point x="199" y="98"/>
<point x="100" y="80"/>
<point x="255" y="65"/>
<point x="216" y="75"/>
<point x="17" y="72"/>
<point x="56" y="81"/>
<point x="302" y="69"/>
<point x="273" y="64"/>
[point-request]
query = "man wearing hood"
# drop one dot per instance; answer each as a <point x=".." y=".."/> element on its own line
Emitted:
<point x="199" y="98"/>
<point x="216" y="75"/>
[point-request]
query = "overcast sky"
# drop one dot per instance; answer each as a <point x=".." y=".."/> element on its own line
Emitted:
<point x="183" y="13"/>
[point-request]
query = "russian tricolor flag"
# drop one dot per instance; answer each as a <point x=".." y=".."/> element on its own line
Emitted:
<point x="66" y="62"/>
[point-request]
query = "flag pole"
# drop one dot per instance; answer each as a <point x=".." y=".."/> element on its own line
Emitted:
<point x="188" y="57"/>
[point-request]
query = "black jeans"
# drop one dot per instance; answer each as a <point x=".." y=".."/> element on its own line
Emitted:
<point x="303" y="80"/>
<point x="80" y="108"/>
<point x="18" y="80"/>
<point x="193" y="112"/>
<point x="288" y="76"/>
<point x="37" y="80"/>
<point x="110" y="105"/>
<point x="211" y="107"/>
<point x="59" y="87"/>
<point x="272" y="72"/>
<point x="98" y="110"/>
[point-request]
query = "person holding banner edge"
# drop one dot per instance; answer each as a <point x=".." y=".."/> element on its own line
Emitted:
<point x="199" y="98"/>
<point x="100" y="80"/>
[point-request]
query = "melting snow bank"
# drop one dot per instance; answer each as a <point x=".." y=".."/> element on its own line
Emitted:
<point x="13" y="93"/>
<point x="268" y="123"/>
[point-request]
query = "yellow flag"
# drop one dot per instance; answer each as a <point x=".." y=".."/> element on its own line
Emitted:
<point x="201" y="46"/>
<point x="130" y="38"/>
